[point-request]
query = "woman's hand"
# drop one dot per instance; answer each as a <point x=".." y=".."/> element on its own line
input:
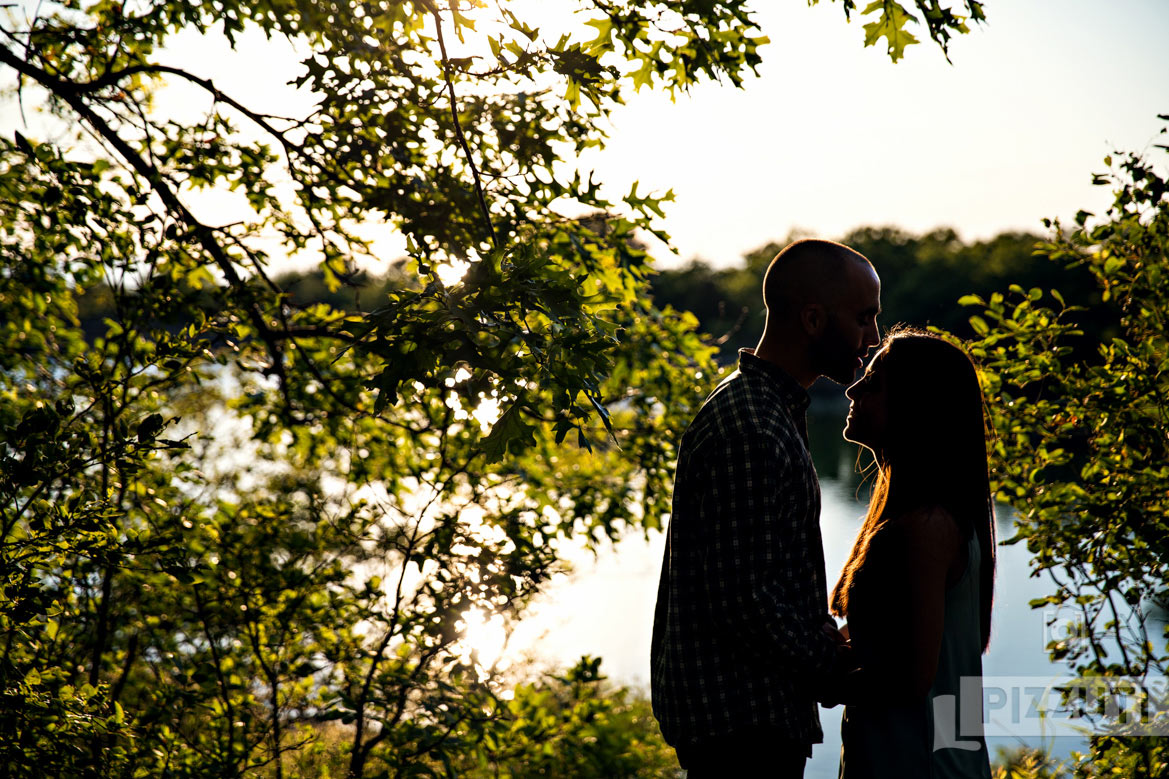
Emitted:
<point x="837" y="635"/>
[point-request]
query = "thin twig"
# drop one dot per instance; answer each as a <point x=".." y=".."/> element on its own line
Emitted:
<point x="203" y="234"/>
<point x="450" y="84"/>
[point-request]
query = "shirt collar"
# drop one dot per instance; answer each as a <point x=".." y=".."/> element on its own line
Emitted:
<point x="794" y="396"/>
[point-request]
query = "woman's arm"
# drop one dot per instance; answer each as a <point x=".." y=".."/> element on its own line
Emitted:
<point x="928" y="549"/>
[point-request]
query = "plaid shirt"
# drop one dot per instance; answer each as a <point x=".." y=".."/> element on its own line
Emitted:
<point x="737" y="642"/>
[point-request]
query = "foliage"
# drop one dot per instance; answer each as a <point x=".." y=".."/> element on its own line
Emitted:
<point x="948" y="267"/>
<point x="1146" y="758"/>
<point x="230" y="518"/>
<point x="1026" y="763"/>
<point x="890" y="18"/>
<point x="726" y="300"/>
<point x="574" y="725"/>
<point x="1083" y="442"/>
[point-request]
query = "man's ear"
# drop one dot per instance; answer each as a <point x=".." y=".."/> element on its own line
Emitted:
<point x="813" y="318"/>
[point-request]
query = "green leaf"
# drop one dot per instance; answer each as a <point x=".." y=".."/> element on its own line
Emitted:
<point x="24" y="144"/>
<point x="603" y="40"/>
<point x="890" y="26"/>
<point x="509" y="434"/>
<point x="150" y="427"/>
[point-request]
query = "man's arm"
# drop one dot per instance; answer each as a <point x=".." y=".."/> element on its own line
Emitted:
<point x="755" y="549"/>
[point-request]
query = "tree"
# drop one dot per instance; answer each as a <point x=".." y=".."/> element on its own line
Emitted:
<point x="727" y="305"/>
<point x="1082" y="448"/>
<point x="229" y="519"/>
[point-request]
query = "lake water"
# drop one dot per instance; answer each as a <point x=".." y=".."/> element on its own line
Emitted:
<point x="605" y="607"/>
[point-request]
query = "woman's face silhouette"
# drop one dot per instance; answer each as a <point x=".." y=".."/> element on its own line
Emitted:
<point x="867" y="414"/>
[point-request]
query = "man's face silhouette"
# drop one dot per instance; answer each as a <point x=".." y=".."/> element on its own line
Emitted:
<point x="850" y="328"/>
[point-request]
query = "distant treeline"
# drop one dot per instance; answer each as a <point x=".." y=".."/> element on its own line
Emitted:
<point x="922" y="278"/>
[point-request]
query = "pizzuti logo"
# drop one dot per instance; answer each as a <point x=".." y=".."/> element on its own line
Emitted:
<point x="1037" y="706"/>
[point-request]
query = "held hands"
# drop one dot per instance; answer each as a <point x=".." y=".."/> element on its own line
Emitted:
<point x="844" y="675"/>
<point x="839" y="635"/>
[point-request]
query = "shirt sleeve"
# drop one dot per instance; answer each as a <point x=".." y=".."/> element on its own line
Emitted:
<point x="756" y="560"/>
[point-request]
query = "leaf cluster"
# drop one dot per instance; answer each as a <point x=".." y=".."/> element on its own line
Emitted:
<point x="1081" y="438"/>
<point x="233" y="522"/>
<point x="890" y="19"/>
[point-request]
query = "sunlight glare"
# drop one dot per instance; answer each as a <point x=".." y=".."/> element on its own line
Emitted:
<point x="452" y="272"/>
<point x="484" y="637"/>
<point x="461" y="375"/>
<point x="487" y="413"/>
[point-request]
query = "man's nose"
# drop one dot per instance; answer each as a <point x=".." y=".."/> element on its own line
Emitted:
<point x="873" y="335"/>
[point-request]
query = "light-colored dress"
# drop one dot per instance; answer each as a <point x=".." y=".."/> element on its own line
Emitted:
<point x="927" y="740"/>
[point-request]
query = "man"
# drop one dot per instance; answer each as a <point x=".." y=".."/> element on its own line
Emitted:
<point x="742" y="639"/>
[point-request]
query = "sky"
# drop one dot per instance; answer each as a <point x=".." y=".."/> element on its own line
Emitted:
<point x="832" y="135"/>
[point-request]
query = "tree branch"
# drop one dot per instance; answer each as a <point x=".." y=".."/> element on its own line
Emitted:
<point x="202" y="232"/>
<point x="450" y="84"/>
<point x="112" y="77"/>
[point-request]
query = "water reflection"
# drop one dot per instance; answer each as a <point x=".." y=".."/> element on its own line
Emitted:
<point x="836" y="460"/>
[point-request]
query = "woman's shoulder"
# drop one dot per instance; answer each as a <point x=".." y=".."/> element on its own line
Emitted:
<point x="927" y="517"/>
<point x="927" y="526"/>
<point x="931" y="536"/>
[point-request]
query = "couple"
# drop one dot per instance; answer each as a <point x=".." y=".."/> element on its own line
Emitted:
<point x="744" y="646"/>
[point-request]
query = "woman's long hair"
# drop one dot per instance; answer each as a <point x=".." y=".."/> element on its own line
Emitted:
<point x="934" y="454"/>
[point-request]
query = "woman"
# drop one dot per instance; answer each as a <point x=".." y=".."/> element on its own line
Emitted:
<point x="918" y="585"/>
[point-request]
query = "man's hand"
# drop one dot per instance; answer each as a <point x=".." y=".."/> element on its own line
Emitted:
<point x="837" y="635"/>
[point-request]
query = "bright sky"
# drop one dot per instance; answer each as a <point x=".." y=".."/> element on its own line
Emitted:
<point x="833" y="135"/>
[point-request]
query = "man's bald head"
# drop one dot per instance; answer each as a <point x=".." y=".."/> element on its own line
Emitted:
<point x="808" y="271"/>
<point x="822" y="302"/>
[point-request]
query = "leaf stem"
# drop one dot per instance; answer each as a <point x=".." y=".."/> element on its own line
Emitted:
<point x="450" y="85"/>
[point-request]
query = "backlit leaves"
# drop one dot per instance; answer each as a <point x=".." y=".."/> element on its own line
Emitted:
<point x="1082" y="435"/>
<point x="231" y="515"/>
<point x="890" y="25"/>
<point x="892" y="17"/>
